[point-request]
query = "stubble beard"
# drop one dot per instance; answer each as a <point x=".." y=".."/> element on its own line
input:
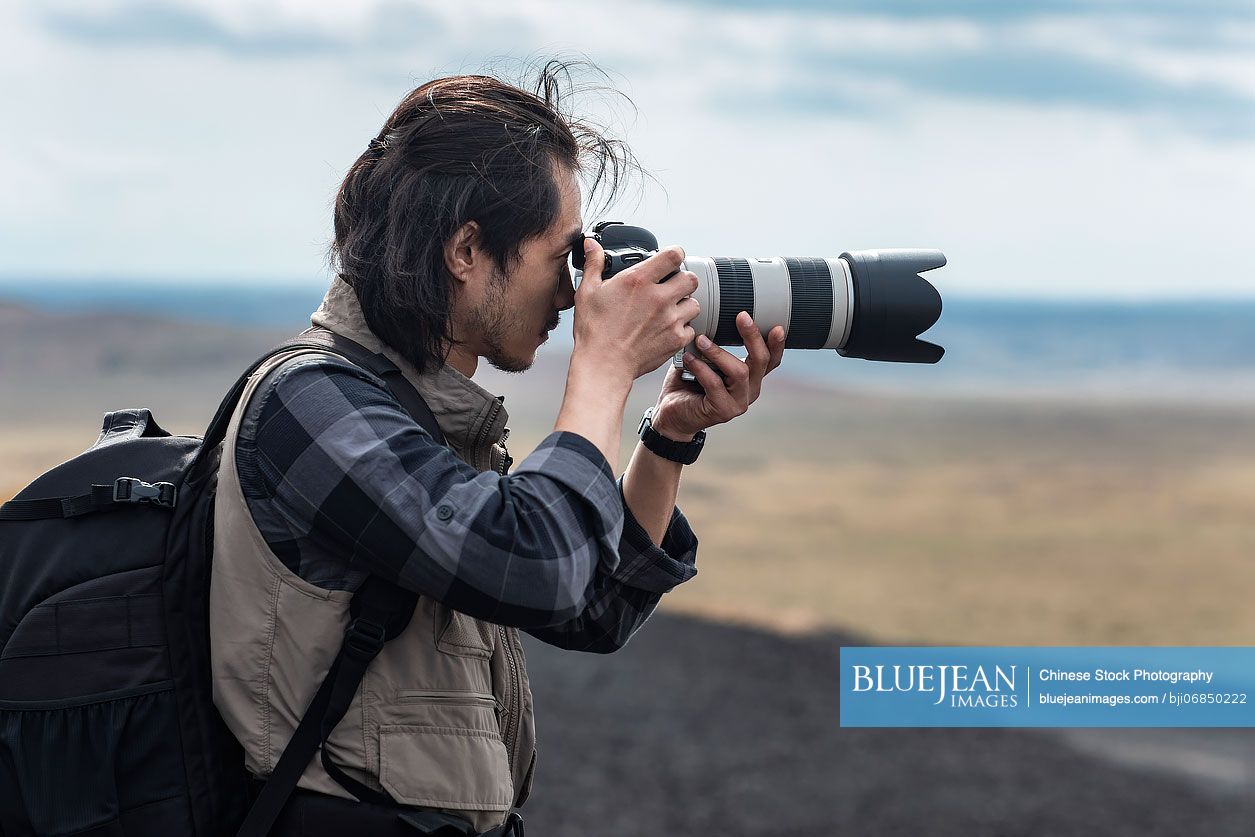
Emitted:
<point x="493" y="320"/>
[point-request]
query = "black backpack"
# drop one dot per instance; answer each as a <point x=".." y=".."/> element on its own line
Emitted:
<point x="107" y="723"/>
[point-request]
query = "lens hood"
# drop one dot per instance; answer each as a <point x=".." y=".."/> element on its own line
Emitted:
<point x="893" y="305"/>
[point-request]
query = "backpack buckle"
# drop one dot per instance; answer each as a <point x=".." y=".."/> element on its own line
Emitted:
<point x="134" y="490"/>
<point x="365" y="637"/>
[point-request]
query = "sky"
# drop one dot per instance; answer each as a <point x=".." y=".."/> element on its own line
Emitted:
<point x="1060" y="149"/>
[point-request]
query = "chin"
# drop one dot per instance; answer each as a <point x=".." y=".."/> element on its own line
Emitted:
<point x="512" y="362"/>
<point x="514" y="354"/>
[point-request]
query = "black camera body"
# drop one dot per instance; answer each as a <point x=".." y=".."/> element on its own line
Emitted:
<point x="624" y="246"/>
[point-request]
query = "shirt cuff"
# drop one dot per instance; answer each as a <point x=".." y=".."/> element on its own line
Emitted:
<point x="648" y="566"/>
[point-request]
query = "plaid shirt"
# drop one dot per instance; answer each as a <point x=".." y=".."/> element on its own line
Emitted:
<point x="342" y="482"/>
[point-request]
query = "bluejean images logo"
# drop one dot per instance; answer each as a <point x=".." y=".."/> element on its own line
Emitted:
<point x="966" y="687"/>
<point x="1047" y="687"/>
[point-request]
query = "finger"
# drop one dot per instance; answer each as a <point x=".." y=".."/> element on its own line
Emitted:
<point x="679" y="286"/>
<point x="687" y="333"/>
<point x="661" y="265"/>
<point x="716" y="390"/>
<point x="689" y="309"/>
<point x="732" y="367"/>
<point x="755" y="346"/>
<point x="594" y="259"/>
<point x="775" y="342"/>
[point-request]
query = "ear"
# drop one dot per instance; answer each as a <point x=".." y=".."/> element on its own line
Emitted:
<point x="462" y="255"/>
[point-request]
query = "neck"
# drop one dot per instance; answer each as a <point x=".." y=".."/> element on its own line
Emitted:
<point x="462" y="360"/>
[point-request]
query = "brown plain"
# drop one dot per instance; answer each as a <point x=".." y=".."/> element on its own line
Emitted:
<point x="903" y="520"/>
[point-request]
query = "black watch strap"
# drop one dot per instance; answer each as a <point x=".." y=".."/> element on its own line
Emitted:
<point x="683" y="452"/>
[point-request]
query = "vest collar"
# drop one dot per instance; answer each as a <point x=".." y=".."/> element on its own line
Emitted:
<point x="472" y="419"/>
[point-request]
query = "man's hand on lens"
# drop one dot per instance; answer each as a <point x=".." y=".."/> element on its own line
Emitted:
<point x="633" y="322"/>
<point x="683" y="409"/>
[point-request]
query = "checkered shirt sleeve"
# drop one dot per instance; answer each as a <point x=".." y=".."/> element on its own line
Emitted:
<point x="342" y="482"/>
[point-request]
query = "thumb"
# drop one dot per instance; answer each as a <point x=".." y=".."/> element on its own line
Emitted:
<point x="594" y="259"/>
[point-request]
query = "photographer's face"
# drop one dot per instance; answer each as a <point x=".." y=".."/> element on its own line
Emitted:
<point x="517" y="309"/>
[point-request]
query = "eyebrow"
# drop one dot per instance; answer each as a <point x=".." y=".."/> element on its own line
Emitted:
<point x="573" y="239"/>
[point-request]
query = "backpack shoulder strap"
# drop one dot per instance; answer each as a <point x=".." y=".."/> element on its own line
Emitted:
<point x="380" y="611"/>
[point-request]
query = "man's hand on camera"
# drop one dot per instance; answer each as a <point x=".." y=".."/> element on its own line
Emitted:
<point x="683" y="408"/>
<point x="629" y="325"/>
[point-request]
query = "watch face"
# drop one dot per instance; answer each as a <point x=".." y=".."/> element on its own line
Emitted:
<point x="649" y="414"/>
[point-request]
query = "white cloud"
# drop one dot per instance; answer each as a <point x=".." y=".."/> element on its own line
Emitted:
<point x="1221" y="56"/>
<point x="214" y="158"/>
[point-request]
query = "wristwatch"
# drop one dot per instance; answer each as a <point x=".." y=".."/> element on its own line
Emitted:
<point x="683" y="452"/>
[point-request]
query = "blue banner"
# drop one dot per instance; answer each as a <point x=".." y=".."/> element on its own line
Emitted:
<point x="1047" y="687"/>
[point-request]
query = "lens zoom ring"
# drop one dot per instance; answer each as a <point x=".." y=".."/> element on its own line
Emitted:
<point x="736" y="294"/>
<point x="810" y="318"/>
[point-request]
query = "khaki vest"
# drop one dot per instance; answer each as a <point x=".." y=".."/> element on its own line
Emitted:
<point x="443" y="718"/>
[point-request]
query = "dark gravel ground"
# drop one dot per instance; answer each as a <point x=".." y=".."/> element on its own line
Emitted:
<point x="709" y="729"/>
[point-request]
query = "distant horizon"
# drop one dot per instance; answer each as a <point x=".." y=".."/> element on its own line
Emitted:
<point x="1192" y="349"/>
<point x="55" y="284"/>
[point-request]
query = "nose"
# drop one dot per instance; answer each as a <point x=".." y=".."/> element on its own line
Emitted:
<point x="565" y="296"/>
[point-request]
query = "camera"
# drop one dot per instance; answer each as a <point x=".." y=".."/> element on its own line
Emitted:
<point x="870" y="304"/>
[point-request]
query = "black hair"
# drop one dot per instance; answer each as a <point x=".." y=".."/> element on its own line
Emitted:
<point x="459" y="149"/>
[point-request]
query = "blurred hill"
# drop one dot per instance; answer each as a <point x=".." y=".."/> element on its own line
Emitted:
<point x="59" y="373"/>
<point x="66" y="367"/>
<point x="1184" y="350"/>
<point x="36" y="343"/>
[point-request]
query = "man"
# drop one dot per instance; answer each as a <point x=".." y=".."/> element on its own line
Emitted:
<point x="452" y="237"/>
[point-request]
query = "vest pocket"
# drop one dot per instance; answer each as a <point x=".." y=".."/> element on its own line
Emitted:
<point x="447" y="697"/>
<point x="444" y="767"/>
<point x="462" y="635"/>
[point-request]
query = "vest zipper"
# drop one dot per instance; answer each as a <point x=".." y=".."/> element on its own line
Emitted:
<point x="481" y="436"/>
<point x="506" y="459"/>
<point x="514" y="705"/>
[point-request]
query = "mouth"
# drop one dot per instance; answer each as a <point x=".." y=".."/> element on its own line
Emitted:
<point x="544" y="335"/>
